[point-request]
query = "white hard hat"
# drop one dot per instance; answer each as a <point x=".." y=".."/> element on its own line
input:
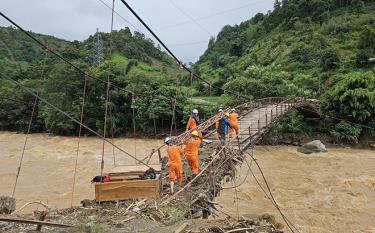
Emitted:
<point x="233" y="109"/>
<point x="220" y="110"/>
<point x="167" y="140"/>
<point x="195" y="111"/>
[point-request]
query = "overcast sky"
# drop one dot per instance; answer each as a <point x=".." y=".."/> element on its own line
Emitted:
<point x="184" y="25"/>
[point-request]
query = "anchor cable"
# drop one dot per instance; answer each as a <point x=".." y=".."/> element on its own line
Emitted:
<point x="26" y="89"/>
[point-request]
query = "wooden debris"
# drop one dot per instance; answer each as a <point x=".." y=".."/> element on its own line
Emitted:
<point x="31" y="203"/>
<point x="128" y="219"/>
<point x="182" y="228"/>
<point x="34" y="222"/>
<point x="239" y="229"/>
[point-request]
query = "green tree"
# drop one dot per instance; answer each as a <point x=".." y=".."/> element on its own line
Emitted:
<point x="353" y="96"/>
<point x="330" y="59"/>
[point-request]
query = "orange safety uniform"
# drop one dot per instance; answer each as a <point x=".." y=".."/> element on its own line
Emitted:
<point x="191" y="124"/>
<point x="174" y="163"/>
<point x="233" y="121"/>
<point x="191" y="152"/>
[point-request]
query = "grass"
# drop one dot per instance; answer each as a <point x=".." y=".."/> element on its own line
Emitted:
<point x="177" y="214"/>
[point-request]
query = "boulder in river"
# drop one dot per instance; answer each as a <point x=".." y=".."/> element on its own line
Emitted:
<point x="312" y="147"/>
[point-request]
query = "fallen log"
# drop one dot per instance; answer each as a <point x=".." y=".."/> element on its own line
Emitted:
<point x="34" y="222"/>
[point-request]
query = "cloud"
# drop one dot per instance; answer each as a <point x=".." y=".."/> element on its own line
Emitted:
<point x="179" y="23"/>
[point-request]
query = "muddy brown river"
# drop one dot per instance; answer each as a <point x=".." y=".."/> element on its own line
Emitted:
<point x="48" y="165"/>
<point x="327" y="192"/>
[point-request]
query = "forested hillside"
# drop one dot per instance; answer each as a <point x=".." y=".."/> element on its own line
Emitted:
<point x="319" y="49"/>
<point x="18" y="51"/>
<point x="138" y="67"/>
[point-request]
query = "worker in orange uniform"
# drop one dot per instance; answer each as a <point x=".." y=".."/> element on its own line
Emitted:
<point x="233" y="122"/>
<point x="193" y="121"/>
<point x="191" y="151"/>
<point x="174" y="162"/>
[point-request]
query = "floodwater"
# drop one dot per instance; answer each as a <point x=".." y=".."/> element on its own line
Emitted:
<point x="326" y="192"/>
<point x="48" y="165"/>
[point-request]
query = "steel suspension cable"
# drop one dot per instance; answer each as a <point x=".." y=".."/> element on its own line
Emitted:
<point x="79" y="139"/>
<point x="107" y="92"/>
<point x="134" y="126"/>
<point x="175" y="57"/>
<point x="28" y="90"/>
<point x="44" y="46"/>
<point x="29" y="126"/>
<point x="103" y="81"/>
<point x="191" y="90"/>
<point x="120" y="16"/>
<point x="174" y="102"/>
<point x="24" y="146"/>
<point x="287" y="221"/>
<point x="112" y="132"/>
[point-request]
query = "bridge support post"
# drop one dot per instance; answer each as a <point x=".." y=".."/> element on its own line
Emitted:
<point x="271" y="115"/>
<point x="239" y="144"/>
<point x="276" y="110"/>
<point x="266" y="120"/>
<point x="251" y="135"/>
<point x="258" y="126"/>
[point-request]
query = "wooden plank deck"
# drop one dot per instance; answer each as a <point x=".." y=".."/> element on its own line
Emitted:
<point x="254" y="123"/>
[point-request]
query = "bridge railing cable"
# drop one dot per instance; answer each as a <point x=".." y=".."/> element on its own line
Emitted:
<point x="44" y="46"/>
<point x="31" y="92"/>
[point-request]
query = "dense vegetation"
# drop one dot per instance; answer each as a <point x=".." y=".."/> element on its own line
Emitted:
<point x="138" y="67"/>
<point x="319" y="49"/>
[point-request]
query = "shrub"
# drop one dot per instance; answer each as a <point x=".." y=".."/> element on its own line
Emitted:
<point x="346" y="132"/>
<point x="330" y="59"/>
<point x="352" y="96"/>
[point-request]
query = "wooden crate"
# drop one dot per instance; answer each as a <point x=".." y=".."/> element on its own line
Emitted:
<point x="127" y="189"/>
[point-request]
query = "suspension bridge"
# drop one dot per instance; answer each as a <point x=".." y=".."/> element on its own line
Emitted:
<point x="256" y="116"/>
